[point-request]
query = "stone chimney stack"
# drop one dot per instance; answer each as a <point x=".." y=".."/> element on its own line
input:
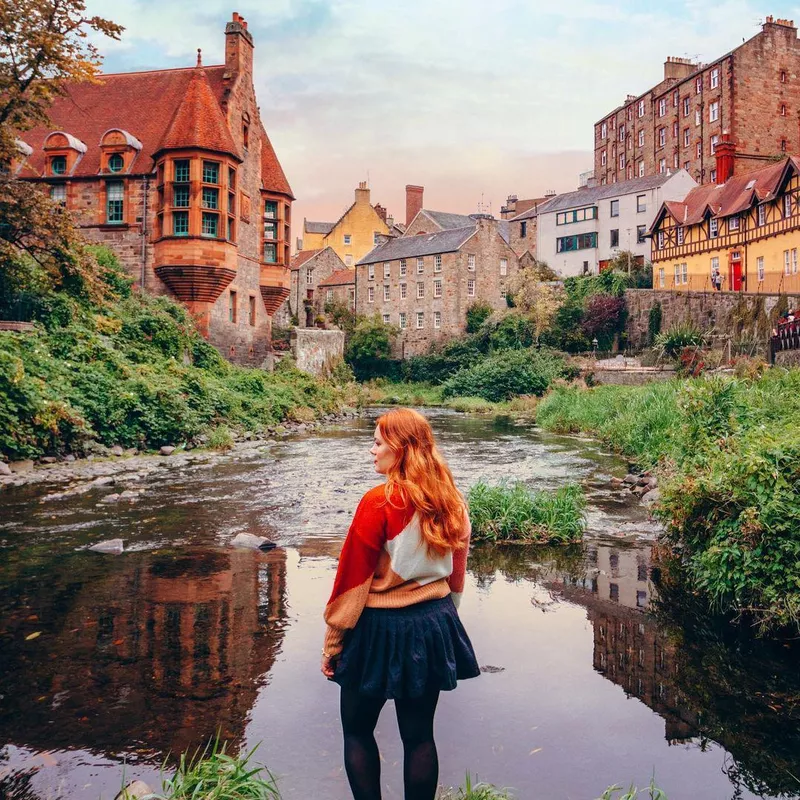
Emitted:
<point x="725" y="153"/>
<point x="238" y="46"/>
<point x="676" y="69"/>
<point x="413" y="202"/>
<point x="380" y="211"/>
<point x="362" y="193"/>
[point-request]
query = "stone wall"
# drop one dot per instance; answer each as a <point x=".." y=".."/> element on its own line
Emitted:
<point x="317" y="351"/>
<point x="739" y="315"/>
<point x="787" y="358"/>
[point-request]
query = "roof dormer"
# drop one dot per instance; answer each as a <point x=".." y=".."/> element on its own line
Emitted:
<point x="118" y="150"/>
<point x="63" y="152"/>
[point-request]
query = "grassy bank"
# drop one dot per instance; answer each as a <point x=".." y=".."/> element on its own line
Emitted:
<point x="728" y="452"/>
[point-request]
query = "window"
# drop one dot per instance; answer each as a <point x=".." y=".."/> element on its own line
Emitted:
<point x="503" y="266"/>
<point x="386" y="294"/>
<point x="641" y="203"/>
<point x="783" y="109"/>
<point x="582" y="241"/>
<point x="713" y="176"/>
<point x="329" y="296"/>
<point x="787" y="205"/>
<point x="662" y="106"/>
<point x="578" y="215"/>
<point x="271" y="209"/>
<point x="699" y="149"/>
<point x="641" y="138"/>
<point x="675" y="130"/>
<point x="661" y="279"/>
<point x="622" y="133"/>
<point x="615" y="208"/>
<point x="762" y="214"/>
<point x="375" y="237"/>
<point x="786" y="267"/>
<point x="403" y="322"/>
<point x="698" y="84"/>
<point x="760" y="267"/>
<point x="471" y="262"/>
<point x="231" y="178"/>
<point x="420" y="266"/>
<point x="714" y="78"/>
<point x="182" y="171"/>
<point x="251" y="310"/>
<point x="662" y="137"/>
<point x="387" y="270"/>
<point x="58" y="165"/>
<point x="641" y="169"/>
<point x="687" y="106"/>
<point x="698" y="117"/>
<point x="687" y="137"/>
<point x="713" y="227"/>
<point x="523" y="229"/>
<point x="58" y="193"/>
<point x="115" y="194"/>
<point x="437" y="263"/>
<point x="231" y="231"/>
<point x="437" y="288"/>
<point x="675" y="161"/>
<point x="662" y="166"/>
<point x="681" y="234"/>
<point x="603" y="130"/>
<point x="309" y="276"/>
<point x="402" y="268"/>
<point x="783" y="145"/>
<point x="678" y="275"/>
<point x="347" y="238"/>
<point x="210" y="224"/>
<point x="640" y="232"/>
<point x="232" y="306"/>
<point x="180" y="196"/>
<point x="794" y="261"/>
<point x="270" y="252"/>
<point x="371" y="272"/>
<point x="733" y="223"/>
<point x="687" y="165"/>
<point x="713" y="111"/>
<point x="210" y="198"/>
<point x="437" y="319"/>
<point x="115" y="163"/>
<point x="471" y="288"/>
<point x="371" y="294"/>
<point x="210" y="172"/>
<point x="420" y="290"/>
<point x="783" y="76"/>
<point x="385" y="319"/>
<point x="180" y="223"/>
<point x="660" y="240"/>
<point x="622" y="161"/>
<point x="675" y="98"/>
<point x="714" y="267"/>
<point x="351" y="293"/>
<point x="641" y="108"/>
<point x="403" y="291"/>
<point x="603" y="158"/>
<point x="420" y="319"/>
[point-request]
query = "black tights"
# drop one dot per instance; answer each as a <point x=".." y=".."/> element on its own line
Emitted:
<point x="361" y="760"/>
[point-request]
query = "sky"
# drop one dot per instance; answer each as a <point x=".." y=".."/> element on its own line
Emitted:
<point x="472" y="99"/>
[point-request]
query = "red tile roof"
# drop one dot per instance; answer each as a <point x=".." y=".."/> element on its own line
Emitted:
<point x="302" y="256"/>
<point x="273" y="178"/>
<point x="341" y="277"/>
<point x="199" y="121"/>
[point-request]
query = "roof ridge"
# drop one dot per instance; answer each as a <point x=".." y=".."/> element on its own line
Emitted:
<point x="151" y="71"/>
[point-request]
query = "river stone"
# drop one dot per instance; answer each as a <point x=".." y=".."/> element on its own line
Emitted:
<point x="630" y="479"/>
<point x="5" y="469"/>
<point x="116" y="450"/>
<point x="617" y="483"/>
<point x="21" y="466"/>
<point x="69" y="458"/>
<point x="110" y="498"/>
<point x="134" y="791"/>
<point x="130" y="494"/>
<point x="103" y="480"/>
<point x="112" y="546"/>
<point x="250" y="540"/>
<point x="48" y="460"/>
<point x="167" y="450"/>
<point x="651" y="497"/>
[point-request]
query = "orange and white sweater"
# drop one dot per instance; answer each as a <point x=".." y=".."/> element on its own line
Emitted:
<point x="385" y="564"/>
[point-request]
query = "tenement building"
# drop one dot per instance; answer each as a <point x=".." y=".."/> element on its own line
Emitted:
<point x="424" y="283"/>
<point x="741" y="234"/>
<point x="173" y="170"/>
<point x="309" y="269"/>
<point x="579" y="232"/>
<point x="751" y="93"/>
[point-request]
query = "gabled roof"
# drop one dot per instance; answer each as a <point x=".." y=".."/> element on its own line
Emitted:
<point x="734" y="196"/>
<point x="199" y="121"/>
<point x="591" y="195"/>
<point x="342" y="277"/>
<point x="447" y="221"/>
<point x="317" y="227"/>
<point x="529" y="213"/>
<point x="302" y="256"/>
<point x="273" y="178"/>
<point x="425" y="245"/>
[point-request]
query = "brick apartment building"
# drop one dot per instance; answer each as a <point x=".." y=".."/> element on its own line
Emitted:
<point x="424" y="282"/>
<point x="751" y="93"/>
<point x="173" y="170"/>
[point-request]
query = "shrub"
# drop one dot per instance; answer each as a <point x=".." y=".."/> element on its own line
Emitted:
<point x="369" y="347"/>
<point x="654" y="317"/>
<point x="477" y="313"/>
<point x="220" y="439"/>
<point x="603" y="317"/>
<point x="443" y="361"/>
<point x="671" y="342"/>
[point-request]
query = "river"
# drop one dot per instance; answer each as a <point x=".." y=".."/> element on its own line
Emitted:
<point x="114" y="662"/>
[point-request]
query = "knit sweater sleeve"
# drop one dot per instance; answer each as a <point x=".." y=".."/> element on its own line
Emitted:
<point x="357" y="564"/>
<point x="458" y="575"/>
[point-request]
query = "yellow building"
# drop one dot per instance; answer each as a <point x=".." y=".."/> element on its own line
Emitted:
<point x="354" y="234"/>
<point x="742" y="235"/>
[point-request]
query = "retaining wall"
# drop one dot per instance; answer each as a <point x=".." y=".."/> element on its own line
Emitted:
<point x="317" y="351"/>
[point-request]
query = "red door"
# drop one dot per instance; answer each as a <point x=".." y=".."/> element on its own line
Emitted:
<point x="735" y="271"/>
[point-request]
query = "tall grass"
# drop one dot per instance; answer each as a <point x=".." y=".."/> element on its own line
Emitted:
<point x="651" y="792"/>
<point x="475" y="791"/>
<point x="514" y="513"/>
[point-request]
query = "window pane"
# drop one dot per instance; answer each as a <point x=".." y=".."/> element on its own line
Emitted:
<point x="271" y="209"/>
<point x="210" y="172"/>
<point x="116" y="163"/>
<point x="114" y="197"/>
<point x="270" y="252"/>
<point x="210" y="224"/>
<point x="180" y="223"/>
<point x="58" y="165"/>
<point x="270" y="230"/>
<point x="182" y="171"/>
<point x="210" y="198"/>
<point x="180" y="197"/>
<point x="58" y="192"/>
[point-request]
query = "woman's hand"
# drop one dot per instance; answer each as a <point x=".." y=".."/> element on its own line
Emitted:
<point x="328" y="666"/>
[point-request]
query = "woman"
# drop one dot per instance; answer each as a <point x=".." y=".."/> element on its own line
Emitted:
<point x="393" y="630"/>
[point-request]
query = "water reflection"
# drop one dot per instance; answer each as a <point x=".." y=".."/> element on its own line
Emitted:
<point x="153" y="651"/>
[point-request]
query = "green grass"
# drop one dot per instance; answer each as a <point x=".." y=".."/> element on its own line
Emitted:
<point x="651" y="792"/>
<point x="471" y="405"/>
<point x="475" y="791"/>
<point x="383" y="392"/>
<point x="514" y="513"/>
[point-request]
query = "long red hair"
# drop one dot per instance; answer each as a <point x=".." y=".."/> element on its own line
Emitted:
<point x="420" y="475"/>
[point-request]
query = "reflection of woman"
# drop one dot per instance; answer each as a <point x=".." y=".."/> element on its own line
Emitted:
<point x="393" y="630"/>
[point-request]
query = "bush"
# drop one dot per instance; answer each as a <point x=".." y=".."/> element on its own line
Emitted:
<point x="671" y="342"/>
<point x="477" y="314"/>
<point x="369" y="348"/>
<point x="654" y="317"/>
<point x="507" y="374"/>
<point x="603" y="317"/>
<point x="444" y="360"/>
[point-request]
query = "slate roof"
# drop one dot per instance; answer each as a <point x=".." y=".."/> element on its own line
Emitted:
<point x="427" y="244"/>
<point x="317" y="227"/>
<point x="590" y="196"/>
<point x="302" y="256"/>
<point x="447" y="221"/>
<point x="273" y="178"/>
<point x="342" y="277"/>
<point x="533" y="211"/>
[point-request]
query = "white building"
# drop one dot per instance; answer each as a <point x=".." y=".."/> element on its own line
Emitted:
<point x="579" y="232"/>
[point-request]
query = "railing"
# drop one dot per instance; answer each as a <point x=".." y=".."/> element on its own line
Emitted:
<point x="786" y="336"/>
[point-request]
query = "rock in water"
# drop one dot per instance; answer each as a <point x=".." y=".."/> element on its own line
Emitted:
<point x="113" y="546"/>
<point x="4" y="468"/>
<point x="651" y="497"/>
<point x="250" y="540"/>
<point x="167" y="450"/>
<point x="134" y="790"/>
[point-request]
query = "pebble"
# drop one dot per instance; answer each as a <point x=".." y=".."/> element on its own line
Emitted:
<point x="167" y="450"/>
<point x="25" y="465"/>
<point x="116" y="450"/>
<point x="5" y="469"/>
<point x="250" y="540"/>
<point x="111" y="546"/>
<point x="110" y="498"/>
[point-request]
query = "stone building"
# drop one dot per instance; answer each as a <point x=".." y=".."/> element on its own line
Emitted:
<point x="579" y="232"/>
<point x="340" y="287"/>
<point x="751" y="93"/>
<point x="354" y="234"/>
<point x="522" y="227"/>
<point x="173" y="170"/>
<point x="424" y="283"/>
<point x="744" y="229"/>
<point x="309" y="268"/>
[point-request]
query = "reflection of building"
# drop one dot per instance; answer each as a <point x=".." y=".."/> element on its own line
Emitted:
<point x="162" y="651"/>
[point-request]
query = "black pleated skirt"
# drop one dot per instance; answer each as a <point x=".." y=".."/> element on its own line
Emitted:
<point x="406" y="652"/>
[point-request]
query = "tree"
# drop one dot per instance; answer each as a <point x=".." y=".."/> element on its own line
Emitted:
<point x="535" y="299"/>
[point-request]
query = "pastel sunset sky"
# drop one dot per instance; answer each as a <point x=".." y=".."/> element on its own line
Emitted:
<point x="474" y="100"/>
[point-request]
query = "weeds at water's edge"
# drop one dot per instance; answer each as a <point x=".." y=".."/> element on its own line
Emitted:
<point x="478" y="791"/>
<point x="651" y="792"/>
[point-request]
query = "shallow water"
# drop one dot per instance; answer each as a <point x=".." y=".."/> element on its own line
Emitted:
<point x="153" y="651"/>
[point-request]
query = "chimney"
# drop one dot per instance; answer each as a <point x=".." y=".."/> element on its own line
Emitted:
<point x="238" y="47"/>
<point x="381" y="212"/>
<point x="725" y="154"/>
<point x="362" y="193"/>
<point x="676" y="69"/>
<point x="413" y="202"/>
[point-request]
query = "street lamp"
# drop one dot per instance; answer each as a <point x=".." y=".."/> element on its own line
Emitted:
<point x="594" y="346"/>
